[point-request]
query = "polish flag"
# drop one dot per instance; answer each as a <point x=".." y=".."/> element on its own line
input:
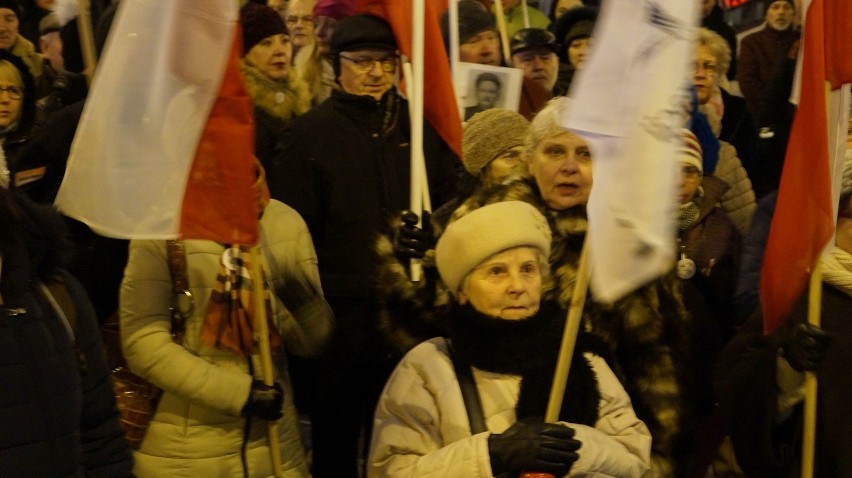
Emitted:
<point x="803" y="223"/>
<point x="165" y="144"/>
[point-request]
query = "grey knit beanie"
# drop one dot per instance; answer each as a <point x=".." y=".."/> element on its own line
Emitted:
<point x="488" y="134"/>
<point x="484" y="232"/>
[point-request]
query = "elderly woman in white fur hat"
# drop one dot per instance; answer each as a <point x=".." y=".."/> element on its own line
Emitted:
<point x="501" y="348"/>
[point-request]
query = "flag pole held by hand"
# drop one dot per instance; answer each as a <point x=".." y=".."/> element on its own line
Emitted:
<point x="261" y="332"/>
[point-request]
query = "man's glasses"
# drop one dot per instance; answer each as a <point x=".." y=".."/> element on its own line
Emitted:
<point x="14" y="92"/>
<point x="363" y="65"/>
<point x="293" y="19"/>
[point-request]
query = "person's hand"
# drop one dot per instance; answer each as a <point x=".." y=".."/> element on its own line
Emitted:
<point x="530" y="445"/>
<point x="804" y="346"/>
<point x="264" y="401"/>
<point x="410" y="241"/>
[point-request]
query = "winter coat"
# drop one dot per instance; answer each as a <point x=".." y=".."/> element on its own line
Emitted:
<point x="18" y="135"/>
<point x="276" y="103"/>
<point x="647" y="331"/>
<point x="421" y="427"/>
<point x="713" y="243"/>
<point x="748" y="391"/>
<point x="197" y="429"/>
<point x="56" y="404"/>
<point x="344" y="166"/>
<point x="760" y="53"/>
<point x="739" y="201"/>
<point x="740" y="130"/>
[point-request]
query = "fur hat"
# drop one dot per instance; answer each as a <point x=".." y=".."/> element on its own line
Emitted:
<point x="486" y="231"/>
<point x="488" y="134"/>
<point x="49" y="23"/>
<point x="336" y="9"/>
<point x="258" y="22"/>
<point x="473" y="19"/>
<point x="13" y="5"/>
<point x="690" y="151"/>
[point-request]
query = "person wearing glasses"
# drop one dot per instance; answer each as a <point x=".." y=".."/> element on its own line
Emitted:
<point x="344" y="166"/>
<point x="277" y="94"/>
<point x="712" y="61"/>
<point x="300" y="22"/>
<point x="17" y="112"/>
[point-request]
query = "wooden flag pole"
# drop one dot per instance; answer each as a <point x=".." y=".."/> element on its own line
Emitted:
<point x="569" y="337"/>
<point x="504" y="31"/>
<point x="87" y="39"/>
<point x="261" y="333"/>
<point x="525" y="11"/>
<point x="810" y="406"/>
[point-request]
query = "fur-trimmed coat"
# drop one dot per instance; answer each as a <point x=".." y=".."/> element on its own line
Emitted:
<point x="275" y="104"/>
<point x="647" y="332"/>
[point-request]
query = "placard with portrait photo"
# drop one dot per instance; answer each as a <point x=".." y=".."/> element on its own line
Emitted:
<point x="482" y="87"/>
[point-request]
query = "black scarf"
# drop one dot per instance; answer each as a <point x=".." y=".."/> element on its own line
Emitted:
<point x="528" y="348"/>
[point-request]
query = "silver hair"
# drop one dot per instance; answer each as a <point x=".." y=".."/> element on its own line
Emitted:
<point x="546" y="123"/>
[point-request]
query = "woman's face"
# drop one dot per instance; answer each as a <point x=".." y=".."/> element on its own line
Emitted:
<point x="562" y="7"/>
<point x="11" y="100"/>
<point x="577" y="51"/>
<point x="272" y="56"/>
<point x="706" y="73"/>
<point x="690" y="179"/>
<point x="507" y="285"/>
<point x="562" y="168"/>
<point x="507" y="164"/>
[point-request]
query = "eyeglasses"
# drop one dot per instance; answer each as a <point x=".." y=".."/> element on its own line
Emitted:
<point x="709" y="68"/>
<point x="306" y="19"/>
<point x="690" y="172"/>
<point x="14" y="92"/>
<point x="363" y="65"/>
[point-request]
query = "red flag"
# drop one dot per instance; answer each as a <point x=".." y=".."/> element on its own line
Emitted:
<point x="803" y="222"/>
<point x="439" y="98"/>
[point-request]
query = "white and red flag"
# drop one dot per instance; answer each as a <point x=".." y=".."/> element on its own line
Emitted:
<point x="803" y="222"/>
<point x="630" y="102"/>
<point x="165" y="145"/>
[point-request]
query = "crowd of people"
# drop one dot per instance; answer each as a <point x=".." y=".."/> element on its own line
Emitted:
<point x="380" y="375"/>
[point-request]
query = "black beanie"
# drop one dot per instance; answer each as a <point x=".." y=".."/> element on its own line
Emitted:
<point x="473" y="19"/>
<point x="13" y="5"/>
<point x="258" y="22"/>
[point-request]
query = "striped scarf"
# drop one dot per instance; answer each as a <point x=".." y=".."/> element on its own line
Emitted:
<point x="229" y="321"/>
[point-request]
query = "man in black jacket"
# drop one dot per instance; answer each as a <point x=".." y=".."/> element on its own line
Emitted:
<point x="345" y="167"/>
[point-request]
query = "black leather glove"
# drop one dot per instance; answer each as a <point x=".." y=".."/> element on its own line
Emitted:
<point x="804" y="346"/>
<point x="264" y="401"/>
<point x="410" y="241"/>
<point x="530" y="445"/>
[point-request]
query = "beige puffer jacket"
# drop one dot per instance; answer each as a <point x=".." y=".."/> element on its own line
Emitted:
<point x="197" y="429"/>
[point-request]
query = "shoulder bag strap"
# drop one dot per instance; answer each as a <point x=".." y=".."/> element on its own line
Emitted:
<point x="470" y="394"/>
<point x="182" y="301"/>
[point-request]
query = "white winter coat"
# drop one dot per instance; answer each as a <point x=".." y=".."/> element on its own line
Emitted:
<point x="421" y="428"/>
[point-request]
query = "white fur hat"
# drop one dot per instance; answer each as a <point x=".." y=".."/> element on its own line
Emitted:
<point x="486" y="231"/>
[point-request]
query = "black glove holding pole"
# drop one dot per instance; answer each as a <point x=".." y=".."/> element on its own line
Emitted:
<point x="264" y="401"/>
<point x="804" y="346"/>
<point x="530" y="445"/>
<point x="410" y="241"/>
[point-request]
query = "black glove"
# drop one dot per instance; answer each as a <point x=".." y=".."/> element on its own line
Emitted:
<point x="530" y="445"/>
<point x="804" y="346"/>
<point x="410" y="241"/>
<point x="264" y="401"/>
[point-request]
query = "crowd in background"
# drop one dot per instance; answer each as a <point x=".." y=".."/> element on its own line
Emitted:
<point x="376" y="374"/>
